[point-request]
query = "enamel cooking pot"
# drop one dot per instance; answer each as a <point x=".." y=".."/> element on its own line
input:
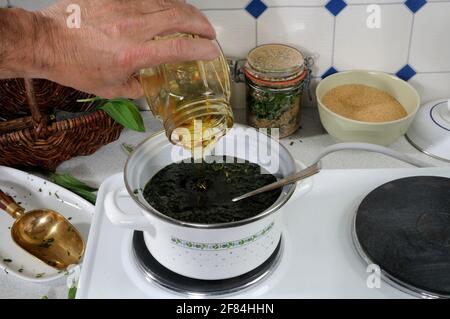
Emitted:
<point x="204" y="251"/>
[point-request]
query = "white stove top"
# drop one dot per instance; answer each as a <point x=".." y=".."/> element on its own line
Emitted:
<point x="319" y="259"/>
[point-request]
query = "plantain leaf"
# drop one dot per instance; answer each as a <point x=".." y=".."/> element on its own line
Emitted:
<point x="124" y="112"/>
<point x="72" y="293"/>
<point x="90" y="197"/>
<point x="71" y="183"/>
<point x="121" y="110"/>
<point x="67" y="180"/>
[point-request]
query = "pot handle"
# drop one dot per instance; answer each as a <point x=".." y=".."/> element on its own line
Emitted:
<point x="304" y="186"/>
<point x="118" y="217"/>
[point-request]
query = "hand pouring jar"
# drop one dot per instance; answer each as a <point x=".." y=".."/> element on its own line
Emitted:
<point x="192" y="99"/>
<point x="205" y="251"/>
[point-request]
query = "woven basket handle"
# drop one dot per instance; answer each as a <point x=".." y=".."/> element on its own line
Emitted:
<point x="39" y="121"/>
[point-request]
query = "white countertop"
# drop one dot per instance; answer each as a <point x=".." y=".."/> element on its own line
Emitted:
<point x="110" y="159"/>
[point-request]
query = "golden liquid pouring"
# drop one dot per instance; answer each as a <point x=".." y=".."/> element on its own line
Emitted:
<point x="45" y="234"/>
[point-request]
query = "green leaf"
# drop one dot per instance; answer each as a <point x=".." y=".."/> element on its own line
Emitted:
<point x="271" y="106"/>
<point x="67" y="180"/>
<point x="71" y="183"/>
<point x="124" y="112"/>
<point x="121" y="110"/>
<point x="90" y="197"/>
<point x="72" y="293"/>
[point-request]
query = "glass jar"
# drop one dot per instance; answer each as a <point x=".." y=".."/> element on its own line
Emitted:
<point x="192" y="99"/>
<point x="275" y="77"/>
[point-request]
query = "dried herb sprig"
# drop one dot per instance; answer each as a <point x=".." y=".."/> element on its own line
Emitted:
<point x="46" y="243"/>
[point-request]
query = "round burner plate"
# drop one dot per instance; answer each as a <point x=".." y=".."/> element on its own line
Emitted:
<point x="404" y="227"/>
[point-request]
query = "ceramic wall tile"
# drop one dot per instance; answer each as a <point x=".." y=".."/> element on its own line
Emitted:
<point x="432" y="86"/>
<point x="368" y="2"/>
<point x="296" y="3"/>
<point x="235" y="31"/>
<point x="411" y="41"/>
<point x="219" y="4"/>
<point x="308" y="29"/>
<point x="430" y="47"/>
<point x="361" y="44"/>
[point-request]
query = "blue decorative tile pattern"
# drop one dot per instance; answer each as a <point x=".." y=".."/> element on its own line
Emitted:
<point x="406" y="73"/>
<point x="328" y="72"/>
<point x="256" y="8"/>
<point x="335" y="6"/>
<point x="415" y="5"/>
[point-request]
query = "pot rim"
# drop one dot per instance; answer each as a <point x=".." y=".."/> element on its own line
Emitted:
<point x="272" y="209"/>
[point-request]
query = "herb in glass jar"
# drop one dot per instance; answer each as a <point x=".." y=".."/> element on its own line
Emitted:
<point x="271" y="106"/>
<point x="275" y="79"/>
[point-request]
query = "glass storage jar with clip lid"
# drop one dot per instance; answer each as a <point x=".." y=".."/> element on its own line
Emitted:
<point x="192" y="99"/>
<point x="276" y="76"/>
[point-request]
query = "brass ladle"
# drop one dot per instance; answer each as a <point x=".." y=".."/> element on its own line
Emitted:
<point x="45" y="234"/>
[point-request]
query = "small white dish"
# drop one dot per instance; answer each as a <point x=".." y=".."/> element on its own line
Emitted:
<point x="430" y="131"/>
<point x="33" y="192"/>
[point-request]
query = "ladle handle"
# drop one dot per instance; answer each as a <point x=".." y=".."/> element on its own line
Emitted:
<point x="304" y="173"/>
<point x="8" y="204"/>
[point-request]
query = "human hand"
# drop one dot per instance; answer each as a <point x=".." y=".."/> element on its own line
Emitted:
<point x="115" y="40"/>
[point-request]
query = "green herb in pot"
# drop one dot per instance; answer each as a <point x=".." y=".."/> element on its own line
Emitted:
<point x="203" y="192"/>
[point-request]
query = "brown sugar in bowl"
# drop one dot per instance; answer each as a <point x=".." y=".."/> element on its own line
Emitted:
<point x="363" y="103"/>
<point x="382" y="128"/>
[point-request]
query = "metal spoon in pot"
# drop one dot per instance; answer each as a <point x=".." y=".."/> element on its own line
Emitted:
<point x="304" y="173"/>
<point x="315" y="168"/>
<point x="45" y="234"/>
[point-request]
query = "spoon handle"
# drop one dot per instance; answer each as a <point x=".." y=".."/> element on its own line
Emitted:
<point x="8" y="204"/>
<point x="304" y="173"/>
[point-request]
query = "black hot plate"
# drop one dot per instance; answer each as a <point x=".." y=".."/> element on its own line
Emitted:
<point x="404" y="227"/>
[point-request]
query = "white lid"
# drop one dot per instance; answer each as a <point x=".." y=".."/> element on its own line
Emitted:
<point x="430" y="131"/>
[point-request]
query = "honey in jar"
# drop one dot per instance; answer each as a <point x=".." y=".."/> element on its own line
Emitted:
<point x="192" y="99"/>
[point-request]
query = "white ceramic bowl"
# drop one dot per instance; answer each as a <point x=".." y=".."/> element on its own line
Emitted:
<point x="382" y="133"/>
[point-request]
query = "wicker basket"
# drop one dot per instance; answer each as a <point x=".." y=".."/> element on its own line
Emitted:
<point x="29" y="135"/>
